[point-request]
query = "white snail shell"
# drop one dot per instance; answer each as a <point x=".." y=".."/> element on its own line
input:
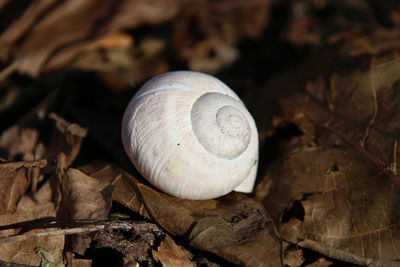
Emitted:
<point x="191" y="136"/>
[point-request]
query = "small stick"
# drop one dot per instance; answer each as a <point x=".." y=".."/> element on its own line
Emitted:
<point x="69" y="231"/>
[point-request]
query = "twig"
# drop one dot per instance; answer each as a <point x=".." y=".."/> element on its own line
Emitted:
<point x="70" y="231"/>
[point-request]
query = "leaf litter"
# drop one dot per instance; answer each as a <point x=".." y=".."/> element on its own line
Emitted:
<point x="327" y="123"/>
<point x="338" y="181"/>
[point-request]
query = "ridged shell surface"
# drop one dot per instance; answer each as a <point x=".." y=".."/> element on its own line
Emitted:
<point x="191" y="136"/>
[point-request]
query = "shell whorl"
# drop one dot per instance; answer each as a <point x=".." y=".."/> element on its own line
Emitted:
<point x="220" y="126"/>
<point x="191" y="136"/>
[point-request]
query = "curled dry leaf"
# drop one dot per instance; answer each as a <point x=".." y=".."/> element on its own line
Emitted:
<point x="67" y="138"/>
<point x="336" y="187"/>
<point x="234" y="227"/>
<point x="72" y="25"/>
<point x="15" y="180"/>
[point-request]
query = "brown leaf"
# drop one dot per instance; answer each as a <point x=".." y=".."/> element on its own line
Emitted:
<point x="67" y="138"/>
<point x="30" y="214"/>
<point x="22" y="140"/>
<point x="27" y="138"/>
<point x="119" y="63"/>
<point x="293" y="257"/>
<point x="234" y="227"/>
<point x="81" y="198"/>
<point x="88" y="198"/>
<point x="335" y="188"/>
<point x="15" y="180"/>
<point x="72" y="25"/>
<point x="124" y="185"/>
<point x="170" y="254"/>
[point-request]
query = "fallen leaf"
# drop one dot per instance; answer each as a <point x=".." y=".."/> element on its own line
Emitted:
<point x="30" y="217"/>
<point x="88" y="198"/>
<point x="72" y="25"/>
<point x="293" y="257"/>
<point x="81" y="198"/>
<point x="170" y="254"/>
<point x="119" y="63"/>
<point x="15" y="180"/>
<point x="234" y="227"/>
<point x="26" y="139"/>
<point x="335" y="187"/>
<point x="67" y="138"/>
<point x="124" y="185"/>
<point x="22" y="140"/>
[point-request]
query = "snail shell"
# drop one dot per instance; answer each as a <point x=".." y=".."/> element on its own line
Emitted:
<point x="191" y="136"/>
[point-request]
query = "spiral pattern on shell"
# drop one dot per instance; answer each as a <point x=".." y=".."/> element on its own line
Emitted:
<point x="191" y="136"/>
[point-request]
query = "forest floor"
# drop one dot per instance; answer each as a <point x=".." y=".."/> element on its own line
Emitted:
<point x="320" y="77"/>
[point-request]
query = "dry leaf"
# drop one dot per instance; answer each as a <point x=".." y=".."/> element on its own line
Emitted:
<point x="27" y="138"/>
<point x="72" y="25"/>
<point x="22" y="139"/>
<point x="234" y="227"/>
<point x="81" y="198"/>
<point x="87" y="197"/>
<point x="30" y="214"/>
<point x="124" y="185"/>
<point x="335" y="188"/>
<point x="67" y="138"/>
<point x="170" y="254"/>
<point x="293" y="257"/>
<point x="120" y="64"/>
<point x="15" y="180"/>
